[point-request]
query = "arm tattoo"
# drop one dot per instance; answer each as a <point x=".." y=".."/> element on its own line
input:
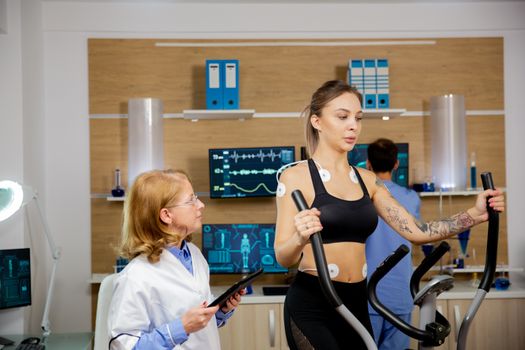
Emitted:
<point x="394" y="217"/>
<point x="380" y="182"/>
<point x="447" y="227"/>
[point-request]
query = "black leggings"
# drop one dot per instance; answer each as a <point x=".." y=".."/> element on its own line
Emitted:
<point x="312" y="323"/>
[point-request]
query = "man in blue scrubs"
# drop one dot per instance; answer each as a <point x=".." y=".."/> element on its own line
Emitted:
<point x="393" y="290"/>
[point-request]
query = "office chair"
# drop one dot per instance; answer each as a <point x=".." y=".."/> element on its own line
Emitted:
<point x="104" y="300"/>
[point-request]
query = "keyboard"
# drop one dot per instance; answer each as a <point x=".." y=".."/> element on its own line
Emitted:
<point x="5" y="341"/>
<point x="30" y="347"/>
<point x="275" y="290"/>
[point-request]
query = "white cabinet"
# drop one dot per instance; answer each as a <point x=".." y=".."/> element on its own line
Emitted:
<point x="255" y="326"/>
<point x="498" y="324"/>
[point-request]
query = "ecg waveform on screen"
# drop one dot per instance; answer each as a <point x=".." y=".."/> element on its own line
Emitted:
<point x="253" y="190"/>
<point x="248" y="171"/>
<point x="243" y="172"/>
<point x="260" y="155"/>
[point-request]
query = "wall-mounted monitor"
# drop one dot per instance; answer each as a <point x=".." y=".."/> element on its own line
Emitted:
<point x="15" y="278"/>
<point x="358" y="157"/>
<point x="240" y="248"/>
<point x="246" y="172"/>
<point x="304" y="153"/>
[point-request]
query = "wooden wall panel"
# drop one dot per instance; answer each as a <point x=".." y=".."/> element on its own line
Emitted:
<point x="106" y="221"/>
<point x="108" y="151"/>
<point x="282" y="78"/>
<point x="186" y="144"/>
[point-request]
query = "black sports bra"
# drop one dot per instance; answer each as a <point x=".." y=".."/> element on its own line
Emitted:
<point x="342" y="220"/>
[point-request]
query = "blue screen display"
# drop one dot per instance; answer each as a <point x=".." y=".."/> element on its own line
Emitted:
<point x="246" y="172"/>
<point x="358" y="157"/>
<point x="240" y="248"/>
<point x="15" y="278"/>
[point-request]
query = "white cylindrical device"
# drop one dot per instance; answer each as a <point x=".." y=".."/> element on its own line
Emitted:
<point x="145" y="136"/>
<point x="449" y="142"/>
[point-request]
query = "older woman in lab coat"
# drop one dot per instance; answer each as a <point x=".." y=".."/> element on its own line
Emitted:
<point x="160" y="299"/>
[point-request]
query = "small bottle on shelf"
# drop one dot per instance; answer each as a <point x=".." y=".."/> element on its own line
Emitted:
<point x="118" y="191"/>
<point x="473" y="177"/>
<point x="475" y="281"/>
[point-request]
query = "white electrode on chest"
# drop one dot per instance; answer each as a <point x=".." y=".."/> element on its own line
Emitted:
<point x="353" y="176"/>
<point x="281" y="189"/>
<point x="365" y="270"/>
<point x="333" y="270"/>
<point x="325" y="175"/>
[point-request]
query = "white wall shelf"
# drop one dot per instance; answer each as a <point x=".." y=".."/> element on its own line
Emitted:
<point x="122" y="199"/>
<point x="476" y="268"/>
<point x="115" y="199"/>
<point x="467" y="192"/>
<point x="242" y="114"/>
<point x="369" y="113"/>
<point x="471" y="269"/>
<point x="450" y="193"/>
<point x="97" y="278"/>
<point x="383" y="113"/>
<point x="197" y="114"/>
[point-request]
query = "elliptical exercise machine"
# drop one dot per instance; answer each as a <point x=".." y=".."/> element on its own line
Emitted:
<point x="433" y="326"/>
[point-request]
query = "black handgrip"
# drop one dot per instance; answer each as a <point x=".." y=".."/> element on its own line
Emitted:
<point x="435" y="332"/>
<point x="319" y="256"/>
<point x="488" y="182"/>
<point x="425" y="265"/>
<point x="391" y="261"/>
<point x="379" y="273"/>
<point x="492" y="240"/>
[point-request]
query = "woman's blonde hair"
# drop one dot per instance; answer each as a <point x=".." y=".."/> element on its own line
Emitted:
<point x="143" y="232"/>
<point x="320" y="98"/>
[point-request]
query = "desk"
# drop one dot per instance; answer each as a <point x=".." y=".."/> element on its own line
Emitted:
<point x="63" y="341"/>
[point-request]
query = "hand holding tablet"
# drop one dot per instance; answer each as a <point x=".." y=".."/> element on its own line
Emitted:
<point x="221" y="300"/>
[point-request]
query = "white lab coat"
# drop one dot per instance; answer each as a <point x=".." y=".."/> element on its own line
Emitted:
<point x="147" y="296"/>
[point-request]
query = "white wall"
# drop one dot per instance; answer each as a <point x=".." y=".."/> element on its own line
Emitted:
<point x="11" y="143"/>
<point x="514" y="85"/>
<point x="67" y="26"/>
<point x="3" y="16"/>
<point x="34" y="155"/>
<point x="67" y="171"/>
<point x="22" y="147"/>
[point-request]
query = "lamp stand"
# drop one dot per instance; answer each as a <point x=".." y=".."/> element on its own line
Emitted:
<point x="55" y="253"/>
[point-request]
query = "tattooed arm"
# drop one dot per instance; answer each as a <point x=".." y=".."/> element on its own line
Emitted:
<point x="419" y="232"/>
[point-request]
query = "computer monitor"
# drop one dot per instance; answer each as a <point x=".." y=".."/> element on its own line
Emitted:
<point x="15" y="278"/>
<point x="240" y="248"/>
<point x="246" y="172"/>
<point x="358" y="157"/>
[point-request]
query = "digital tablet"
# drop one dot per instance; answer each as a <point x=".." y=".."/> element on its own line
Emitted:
<point x="243" y="283"/>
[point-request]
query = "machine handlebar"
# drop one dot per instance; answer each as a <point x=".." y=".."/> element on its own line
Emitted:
<point x="434" y="333"/>
<point x="492" y="240"/>
<point x="319" y="256"/>
<point x="425" y="265"/>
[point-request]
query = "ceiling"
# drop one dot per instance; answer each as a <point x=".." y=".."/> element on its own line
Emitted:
<point x="286" y="1"/>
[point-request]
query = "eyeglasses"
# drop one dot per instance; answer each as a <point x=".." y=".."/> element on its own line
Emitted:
<point x="192" y="202"/>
